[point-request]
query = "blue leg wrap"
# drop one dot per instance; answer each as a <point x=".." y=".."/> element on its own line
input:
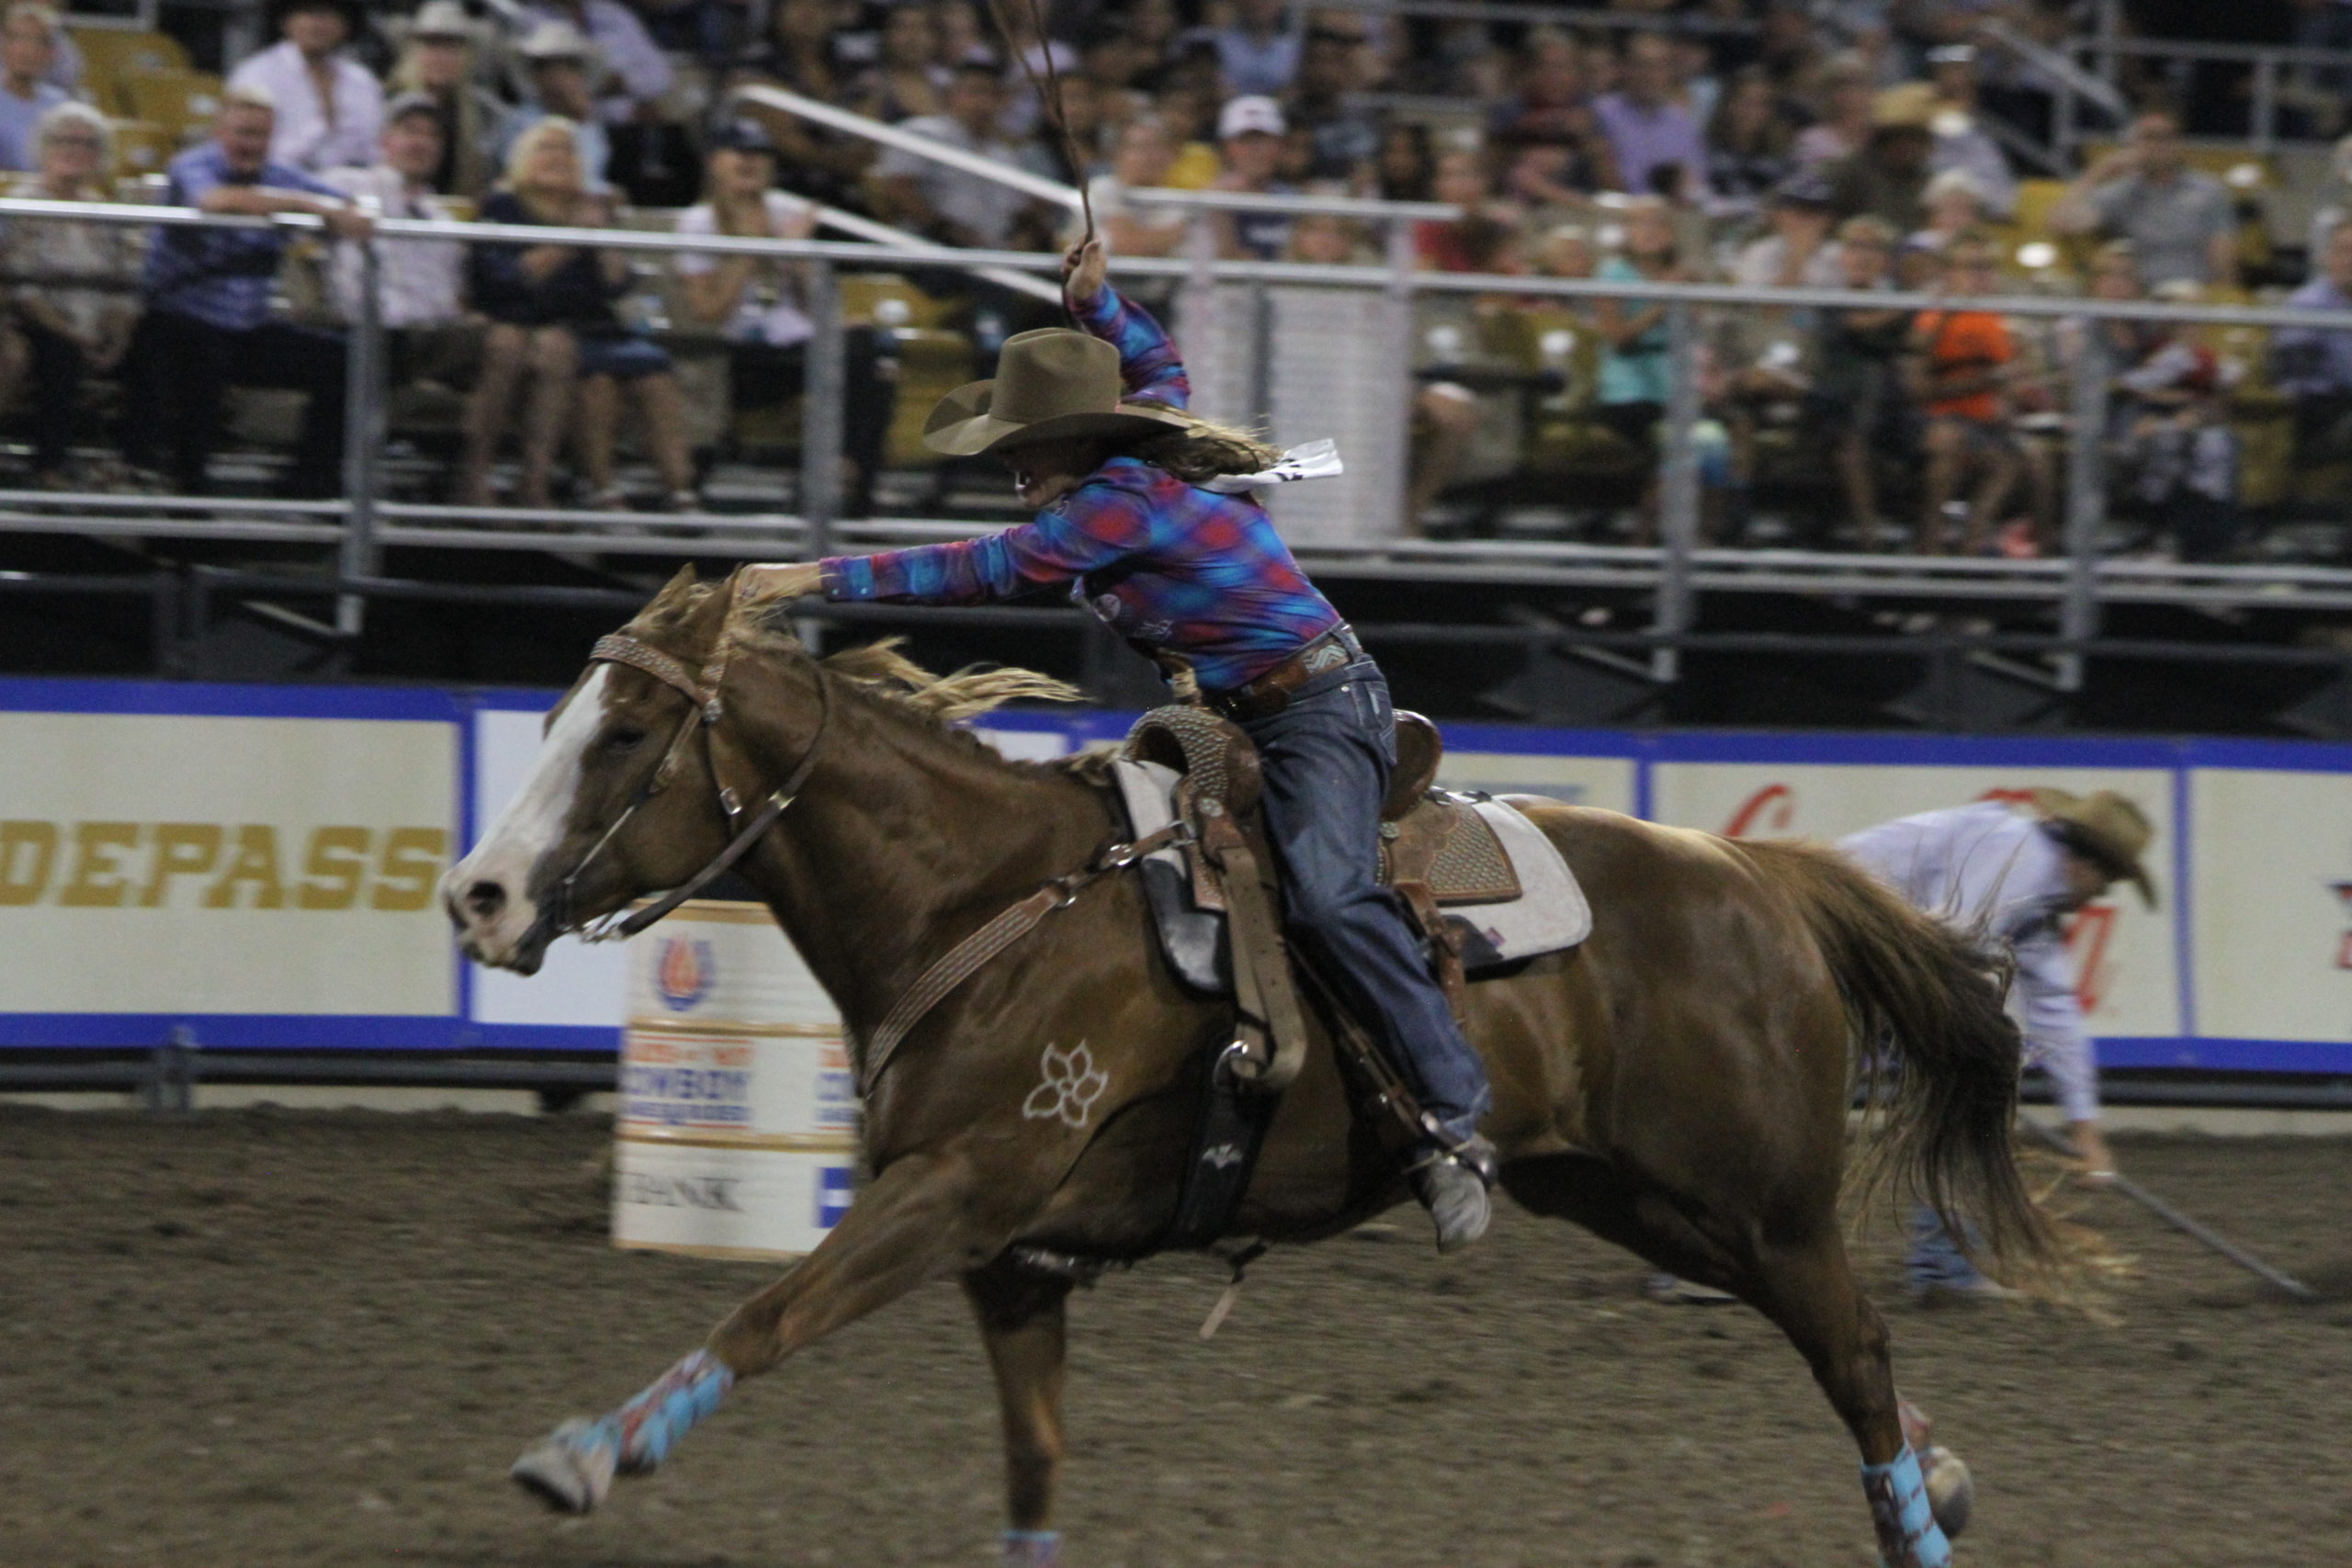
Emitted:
<point x="1033" y="1549"/>
<point x="1908" y="1536"/>
<point x="648" y="1426"/>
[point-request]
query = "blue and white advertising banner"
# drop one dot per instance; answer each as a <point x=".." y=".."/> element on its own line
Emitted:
<point x="257" y="863"/>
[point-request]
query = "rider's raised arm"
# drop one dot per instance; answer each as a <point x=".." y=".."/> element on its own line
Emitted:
<point x="1092" y="527"/>
<point x="1148" y="363"/>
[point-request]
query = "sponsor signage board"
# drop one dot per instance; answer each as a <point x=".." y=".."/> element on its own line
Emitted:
<point x="258" y="863"/>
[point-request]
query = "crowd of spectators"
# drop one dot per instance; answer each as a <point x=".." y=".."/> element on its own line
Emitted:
<point x="1774" y="144"/>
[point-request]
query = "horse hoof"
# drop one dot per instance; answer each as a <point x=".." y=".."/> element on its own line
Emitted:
<point x="1952" y="1491"/>
<point x="571" y="1470"/>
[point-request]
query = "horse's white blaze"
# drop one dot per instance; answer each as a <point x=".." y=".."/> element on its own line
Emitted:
<point x="531" y="825"/>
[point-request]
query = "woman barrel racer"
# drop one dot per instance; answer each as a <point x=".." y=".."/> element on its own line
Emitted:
<point x="1138" y="512"/>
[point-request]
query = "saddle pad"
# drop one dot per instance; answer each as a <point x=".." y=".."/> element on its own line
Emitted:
<point x="1549" y="915"/>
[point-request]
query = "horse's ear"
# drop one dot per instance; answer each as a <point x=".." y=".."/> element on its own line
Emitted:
<point x="673" y="593"/>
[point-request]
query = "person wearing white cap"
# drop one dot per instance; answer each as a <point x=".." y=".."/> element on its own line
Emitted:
<point x="1961" y="141"/>
<point x="561" y="63"/>
<point x="623" y="48"/>
<point x="439" y="60"/>
<point x="1249" y="132"/>
<point x="330" y="108"/>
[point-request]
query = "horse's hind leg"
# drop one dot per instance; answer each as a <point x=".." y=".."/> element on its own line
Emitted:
<point x="921" y="1218"/>
<point x="1021" y="1317"/>
<point x="1810" y="1290"/>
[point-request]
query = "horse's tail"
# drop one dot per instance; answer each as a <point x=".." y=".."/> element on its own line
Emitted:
<point x="1939" y="1055"/>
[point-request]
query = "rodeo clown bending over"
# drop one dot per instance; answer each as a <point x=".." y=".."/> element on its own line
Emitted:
<point x="1146" y="510"/>
<point x="2015" y="873"/>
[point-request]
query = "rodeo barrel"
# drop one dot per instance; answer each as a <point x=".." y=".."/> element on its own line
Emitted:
<point x="738" y="1126"/>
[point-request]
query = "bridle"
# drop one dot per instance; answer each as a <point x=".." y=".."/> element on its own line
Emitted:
<point x="704" y="710"/>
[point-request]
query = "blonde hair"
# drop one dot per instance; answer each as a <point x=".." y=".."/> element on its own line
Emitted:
<point x="1204" y="449"/>
<point x="526" y="145"/>
<point x="72" y="111"/>
<point x="45" y="15"/>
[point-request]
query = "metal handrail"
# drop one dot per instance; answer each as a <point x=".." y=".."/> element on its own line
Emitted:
<point x="362" y="524"/>
<point x="977" y="164"/>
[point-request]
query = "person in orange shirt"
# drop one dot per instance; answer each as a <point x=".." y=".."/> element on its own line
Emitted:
<point x="1963" y="361"/>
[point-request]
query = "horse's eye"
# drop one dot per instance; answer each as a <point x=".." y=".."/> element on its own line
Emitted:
<point x="625" y="740"/>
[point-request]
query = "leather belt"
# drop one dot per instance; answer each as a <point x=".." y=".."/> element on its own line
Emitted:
<point x="1277" y="688"/>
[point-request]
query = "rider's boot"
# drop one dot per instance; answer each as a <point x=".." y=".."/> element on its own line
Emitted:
<point x="1452" y="1183"/>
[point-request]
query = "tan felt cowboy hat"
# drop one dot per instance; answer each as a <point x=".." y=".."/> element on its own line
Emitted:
<point x="1053" y="384"/>
<point x="2104" y="827"/>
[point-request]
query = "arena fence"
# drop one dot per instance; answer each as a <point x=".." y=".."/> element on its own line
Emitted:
<point x="353" y="532"/>
<point x="230" y="873"/>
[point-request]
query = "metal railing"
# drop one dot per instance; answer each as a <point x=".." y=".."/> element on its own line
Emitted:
<point x="1674" y="573"/>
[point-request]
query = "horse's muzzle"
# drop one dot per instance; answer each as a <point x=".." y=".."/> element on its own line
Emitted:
<point x="495" y="926"/>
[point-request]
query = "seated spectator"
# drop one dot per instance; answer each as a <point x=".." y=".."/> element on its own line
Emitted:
<point x="1552" y="102"/>
<point x="1191" y="117"/>
<point x="1566" y="251"/>
<point x="1798" y="252"/>
<point x="1691" y="73"/>
<point x="1143" y="160"/>
<point x="907" y="82"/>
<point x="1028" y="55"/>
<point x="1858" y="404"/>
<point x="1258" y="54"/>
<point x="209" y="324"/>
<point x="758" y="303"/>
<point x="330" y="107"/>
<point x="1656" y="142"/>
<point x="2180" y="222"/>
<point x="2314" y="366"/>
<point x="1888" y="178"/>
<point x="636" y="73"/>
<point x="1637" y="366"/>
<point x="1485" y="238"/>
<point x="1750" y="150"/>
<point x="1554" y="179"/>
<point x="1964" y="361"/>
<point x="75" y="304"/>
<point x="556" y="55"/>
<point x="2167" y="429"/>
<point x="1249" y="130"/>
<point x="439" y="61"/>
<point x="420" y="283"/>
<point x="1343" y="137"/>
<point x="551" y="310"/>
<point x="1962" y="144"/>
<point x="948" y="204"/>
<point x="962" y="41"/>
<point x="1847" y="93"/>
<point x="796" y="53"/>
<point x="1404" y="164"/>
<point x="29" y="34"/>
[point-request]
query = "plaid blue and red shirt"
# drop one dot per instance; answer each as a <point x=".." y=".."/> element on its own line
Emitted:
<point x="1167" y="564"/>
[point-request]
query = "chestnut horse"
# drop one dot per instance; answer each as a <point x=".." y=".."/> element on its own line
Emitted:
<point x="1678" y="1085"/>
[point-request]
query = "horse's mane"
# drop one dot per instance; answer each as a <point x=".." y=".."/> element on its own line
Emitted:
<point x="878" y="671"/>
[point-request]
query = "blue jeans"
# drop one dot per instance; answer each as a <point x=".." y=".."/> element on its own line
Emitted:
<point x="1327" y="758"/>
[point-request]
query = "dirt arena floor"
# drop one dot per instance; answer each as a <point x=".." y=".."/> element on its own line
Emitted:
<point x="267" y="1338"/>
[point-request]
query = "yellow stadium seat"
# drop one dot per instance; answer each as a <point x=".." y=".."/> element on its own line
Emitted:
<point x="2035" y="198"/>
<point x="111" y="57"/>
<point x="183" y="102"/>
<point x="141" y="148"/>
<point x="863" y="292"/>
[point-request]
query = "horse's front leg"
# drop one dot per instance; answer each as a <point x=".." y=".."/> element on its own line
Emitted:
<point x="921" y="1218"/>
<point x="1022" y="1318"/>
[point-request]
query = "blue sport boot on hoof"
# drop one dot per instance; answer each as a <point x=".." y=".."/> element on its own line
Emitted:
<point x="573" y="1470"/>
<point x="1908" y="1536"/>
<point x="1033" y="1549"/>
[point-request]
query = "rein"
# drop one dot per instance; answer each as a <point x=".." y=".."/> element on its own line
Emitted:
<point x="703" y="708"/>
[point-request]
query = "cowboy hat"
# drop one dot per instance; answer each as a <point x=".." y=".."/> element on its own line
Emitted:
<point x="2106" y="828"/>
<point x="1053" y="384"/>
<point x="1910" y="106"/>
